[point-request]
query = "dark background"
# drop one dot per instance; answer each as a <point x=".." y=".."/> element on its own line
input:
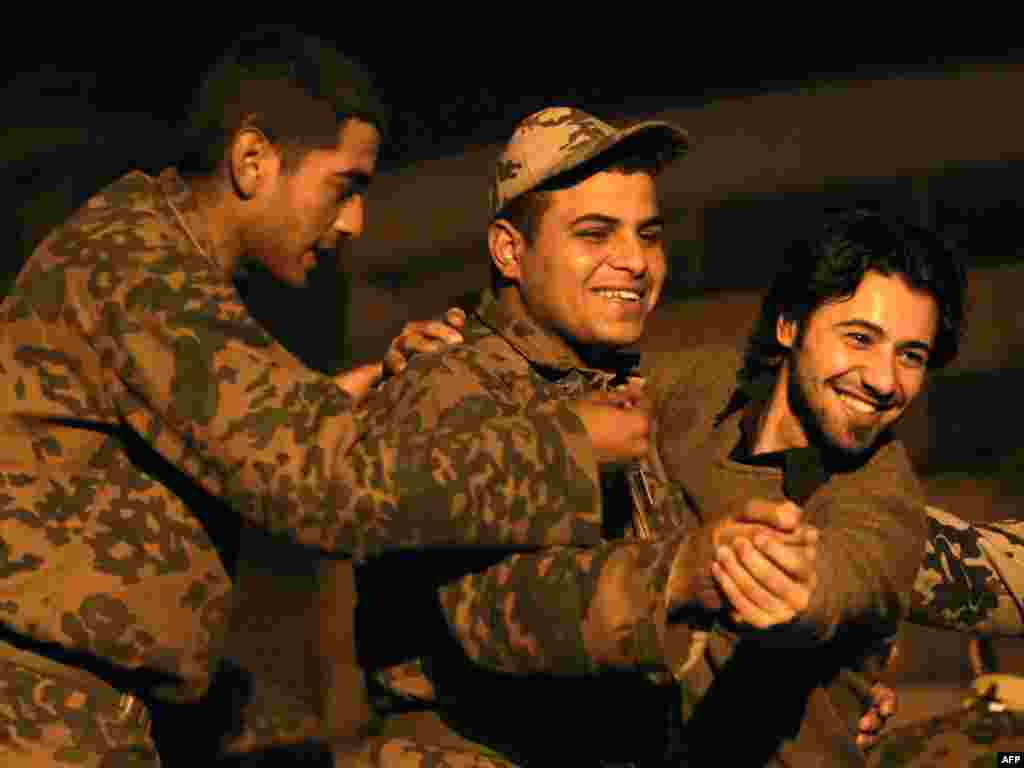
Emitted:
<point x="454" y="91"/>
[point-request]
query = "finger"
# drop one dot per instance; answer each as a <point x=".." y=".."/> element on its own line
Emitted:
<point x="418" y="344"/>
<point x="636" y="386"/>
<point x="795" y="561"/>
<point x="867" y="741"/>
<point x="769" y="578"/>
<point x="802" y="537"/>
<point x="455" y="317"/>
<point x="435" y="329"/>
<point x="755" y="602"/>
<point x="615" y="399"/>
<point x="743" y="610"/>
<point x="884" y="700"/>
<point x="394" y="362"/>
<point x="784" y="515"/>
<point x="359" y="381"/>
<point x="870" y="723"/>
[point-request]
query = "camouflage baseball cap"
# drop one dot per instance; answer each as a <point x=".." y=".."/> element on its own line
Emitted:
<point x="558" y="139"/>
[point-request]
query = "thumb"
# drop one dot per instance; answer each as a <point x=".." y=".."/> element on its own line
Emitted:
<point x="455" y="317"/>
<point x="783" y="515"/>
<point x="359" y="381"/>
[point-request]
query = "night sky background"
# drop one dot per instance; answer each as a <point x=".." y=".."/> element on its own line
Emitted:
<point x="461" y="90"/>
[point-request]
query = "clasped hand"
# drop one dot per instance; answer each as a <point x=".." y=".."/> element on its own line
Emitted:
<point x="763" y="561"/>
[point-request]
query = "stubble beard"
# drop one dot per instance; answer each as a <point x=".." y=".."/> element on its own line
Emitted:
<point x="814" y="422"/>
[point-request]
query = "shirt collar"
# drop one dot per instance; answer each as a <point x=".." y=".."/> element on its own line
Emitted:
<point x="803" y="469"/>
<point x="546" y="351"/>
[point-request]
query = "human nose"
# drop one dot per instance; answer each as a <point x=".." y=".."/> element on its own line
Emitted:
<point x="631" y="254"/>
<point x="879" y="374"/>
<point x="351" y="217"/>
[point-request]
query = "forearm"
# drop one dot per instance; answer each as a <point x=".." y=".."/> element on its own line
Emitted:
<point x="285" y="448"/>
<point x="971" y="577"/>
<point x="866" y="562"/>
<point x="568" y="611"/>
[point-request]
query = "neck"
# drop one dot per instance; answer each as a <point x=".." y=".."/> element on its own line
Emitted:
<point x="220" y="213"/>
<point x="511" y="302"/>
<point x="778" y="428"/>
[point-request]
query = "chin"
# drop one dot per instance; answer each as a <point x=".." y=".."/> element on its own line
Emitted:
<point x="851" y="446"/>
<point x="618" y="337"/>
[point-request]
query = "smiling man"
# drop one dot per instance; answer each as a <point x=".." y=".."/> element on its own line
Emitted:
<point x="847" y="333"/>
<point x="576" y="247"/>
<point x="145" y="413"/>
<point x="832" y="397"/>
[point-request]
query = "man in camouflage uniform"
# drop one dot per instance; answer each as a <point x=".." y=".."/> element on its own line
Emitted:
<point x="871" y="510"/>
<point x="971" y="580"/>
<point x="575" y="278"/>
<point x="144" y="410"/>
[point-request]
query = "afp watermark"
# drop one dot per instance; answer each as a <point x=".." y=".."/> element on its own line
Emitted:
<point x="1011" y="758"/>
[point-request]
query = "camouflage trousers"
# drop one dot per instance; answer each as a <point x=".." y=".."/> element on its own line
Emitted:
<point x="50" y="719"/>
<point x="969" y="737"/>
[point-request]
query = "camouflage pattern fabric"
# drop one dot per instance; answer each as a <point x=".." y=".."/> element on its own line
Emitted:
<point x="51" y="720"/>
<point x="554" y="140"/>
<point x="969" y="737"/>
<point x="574" y="612"/>
<point x="143" y="409"/>
<point x="972" y="576"/>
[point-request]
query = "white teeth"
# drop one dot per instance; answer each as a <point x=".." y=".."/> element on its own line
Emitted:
<point x="857" y="405"/>
<point x="621" y="295"/>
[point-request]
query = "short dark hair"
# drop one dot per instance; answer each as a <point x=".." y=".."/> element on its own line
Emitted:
<point x="293" y="87"/>
<point x="832" y="266"/>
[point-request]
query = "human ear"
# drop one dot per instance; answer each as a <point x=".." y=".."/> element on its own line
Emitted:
<point x="253" y="161"/>
<point x="786" y="331"/>
<point x="506" y="245"/>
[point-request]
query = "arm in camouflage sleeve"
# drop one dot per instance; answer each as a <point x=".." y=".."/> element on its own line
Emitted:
<point x="207" y="387"/>
<point x="568" y="611"/>
<point x="972" y="576"/>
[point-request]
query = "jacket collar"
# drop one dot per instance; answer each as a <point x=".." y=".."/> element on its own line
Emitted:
<point x="548" y="353"/>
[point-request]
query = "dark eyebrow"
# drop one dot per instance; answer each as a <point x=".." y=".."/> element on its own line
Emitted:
<point x="599" y="218"/>
<point x="879" y="331"/>
<point x="596" y="218"/>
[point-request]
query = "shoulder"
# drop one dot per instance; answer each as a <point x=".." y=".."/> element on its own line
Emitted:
<point x="886" y="476"/>
<point x="692" y="385"/>
<point x="123" y="224"/>
<point x="485" y="367"/>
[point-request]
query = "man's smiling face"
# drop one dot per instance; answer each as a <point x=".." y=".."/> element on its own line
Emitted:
<point x="597" y="264"/>
<point x="856" y="365"/>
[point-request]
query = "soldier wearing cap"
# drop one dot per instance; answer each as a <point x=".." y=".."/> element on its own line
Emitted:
<point x="505" y="659"/>
<point x="145" y="412"/>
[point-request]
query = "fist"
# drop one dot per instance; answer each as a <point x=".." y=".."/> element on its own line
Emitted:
<point x="618" y="424"/>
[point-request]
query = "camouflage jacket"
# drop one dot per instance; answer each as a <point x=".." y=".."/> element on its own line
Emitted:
<point x="143" y="410"/>
<point x="570" y="612"/>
